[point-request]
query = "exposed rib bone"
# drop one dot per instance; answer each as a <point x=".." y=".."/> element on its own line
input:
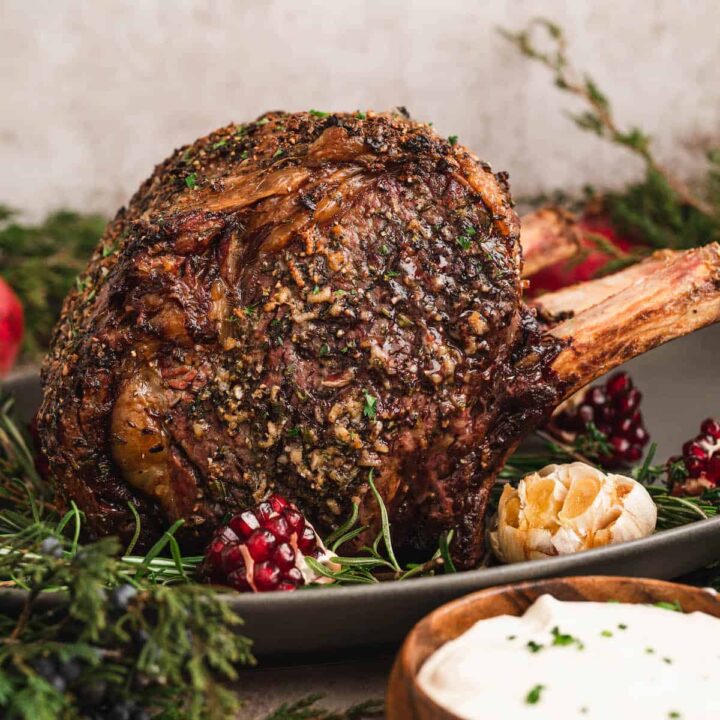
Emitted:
<point x="579" y="297"/>
<point x="547" y="236"/>
<point x="680" y="295"/>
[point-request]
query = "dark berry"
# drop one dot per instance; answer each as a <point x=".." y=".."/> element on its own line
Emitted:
<point x="596" y="397"/>
<point x="638" y="436"/>
<point x="122" y="595"/>
<point x="51" y="547"/>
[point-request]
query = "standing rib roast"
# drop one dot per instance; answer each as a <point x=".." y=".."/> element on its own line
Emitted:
<point x="308" y="301"/>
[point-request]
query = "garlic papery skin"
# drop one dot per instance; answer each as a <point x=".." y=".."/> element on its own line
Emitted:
<point x="563" y="509"/>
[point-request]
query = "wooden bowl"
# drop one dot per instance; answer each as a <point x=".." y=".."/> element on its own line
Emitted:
<point x="405" y="699"/>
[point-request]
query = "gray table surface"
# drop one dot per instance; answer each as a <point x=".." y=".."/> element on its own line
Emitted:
<point x="680" y="385"/>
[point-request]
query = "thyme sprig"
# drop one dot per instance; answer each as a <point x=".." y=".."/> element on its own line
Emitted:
<point x="660" y="211"/>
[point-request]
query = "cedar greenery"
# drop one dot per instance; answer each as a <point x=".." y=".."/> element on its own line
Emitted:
<point x="40" y="262"/>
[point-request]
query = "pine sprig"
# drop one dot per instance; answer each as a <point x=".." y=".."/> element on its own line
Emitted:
<point x="123" y="632"/>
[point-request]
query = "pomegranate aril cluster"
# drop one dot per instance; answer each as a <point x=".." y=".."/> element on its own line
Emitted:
<point x="262" y="549"/>
<point x="701" y="457"/>
<point x="614" y="409"/>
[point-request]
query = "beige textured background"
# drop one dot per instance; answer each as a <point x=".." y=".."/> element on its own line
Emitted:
<point x="94" y="93"/>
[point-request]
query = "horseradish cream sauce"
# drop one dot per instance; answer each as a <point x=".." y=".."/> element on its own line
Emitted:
<point x="581" y="659"/>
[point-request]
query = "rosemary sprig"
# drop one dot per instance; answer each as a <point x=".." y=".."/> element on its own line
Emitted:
<point x="307" y="709"/>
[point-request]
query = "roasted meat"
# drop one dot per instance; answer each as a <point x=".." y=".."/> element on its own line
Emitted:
<point x="308" y="302"/>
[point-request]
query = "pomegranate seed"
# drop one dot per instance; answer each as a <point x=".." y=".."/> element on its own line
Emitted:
<point x="264" y="512"/>
<point x="261" y="544"/>
<point x="244" y="523"/>
<point x="238" y="581"/>
<point x="713" y="469"/>
<point x="695" y="467"/>
<point x="605" y="414"/>
<point x="279" y="527"/>
<point x="633" y="453"/>
<point x="596" y="397"/>
<point x="711" y="427"/>
<point x="638" y="436"/>
<point x="628" y="403"/>
<point x="625" y="428"/>
<point x="691" y="449"/>
<point x="294" y="576"/>
<point x="295" y="520"/>
<point x="214" y="553"/>
<point x="620" y="445"/>
<point x="232" y="559"/>
<point x="636" y="418"/>
<point x="307" y="541"/>
<point x="266" y="576"/>
<point x="284" y="557"/>
<point x="585" y="415"/>
<point x="286" y="587"/>
<point x="619" y="383"/>
<point x="278" y="503"/>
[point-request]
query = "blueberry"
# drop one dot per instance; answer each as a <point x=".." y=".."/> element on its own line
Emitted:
<point x="91" y="694"/>
<point x="121" y="596"/>
<point x="70" y="670"/>
<point x="51" y="547"/>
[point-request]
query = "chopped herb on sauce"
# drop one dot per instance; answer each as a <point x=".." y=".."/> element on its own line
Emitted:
<point x="191" y="181"/>
<point x="533" y="696"/>
<point x="318" y="113"/>
<point x="453" y="139"/>
<point x="534" y="647"/>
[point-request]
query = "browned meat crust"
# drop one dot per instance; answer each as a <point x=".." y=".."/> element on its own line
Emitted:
<point x="288" y="305"/>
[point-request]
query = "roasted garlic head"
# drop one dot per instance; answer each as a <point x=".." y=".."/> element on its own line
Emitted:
<point x="563" y="509"/>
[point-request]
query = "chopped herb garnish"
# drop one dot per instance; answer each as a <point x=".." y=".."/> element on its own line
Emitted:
<point x="293" y="432"/>
<point x="191" y="180"/>
<point x="622" y="626"/>
<point x="453" y="139"/>
<point x="511" y="637"/>
<point x="667" y="660"/>
<point x="370" y="409"/>
<point x="464" y="242"/>
<point x="219" y="144"/>
<point x="564" y="639"/>
<point x="244" y="155"/>
<point x="534" y="695"/>
<point x="649" y="650"/>
<point x="324" y="350"/>
<point x="278" y="153"/>
<point x="340" y="293"/>
<point x="384" y="249"/>
<point x="674" y="714"/>
<point x="318" y="113"/>
<point x="534" y="647"/>
<point x="360" y="115"/>
<point x="249" y="310"/>
<point x="606" y="633"/>
<point x="316" y="290"/>
<point x="109" y="250"/>
<point x="391" y="274"/>
<point x="674" y="606"/>
<point x="262" y="121"/>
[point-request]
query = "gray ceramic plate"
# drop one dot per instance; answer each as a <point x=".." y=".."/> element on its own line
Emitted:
<point x="680" y="384"/>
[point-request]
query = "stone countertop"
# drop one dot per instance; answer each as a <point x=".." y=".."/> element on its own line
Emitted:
<point x="343" y="683"/>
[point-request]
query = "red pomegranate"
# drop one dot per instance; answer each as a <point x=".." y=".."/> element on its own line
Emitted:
<point x="264" y="549"/>
<point x="701" y="458"/>
<point x="614" y="409"/>
<point x="593" y="259"/>
<point x="12" y="325"/>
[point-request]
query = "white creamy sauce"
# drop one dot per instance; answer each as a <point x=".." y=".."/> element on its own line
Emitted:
<point x="613" y="661"/>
